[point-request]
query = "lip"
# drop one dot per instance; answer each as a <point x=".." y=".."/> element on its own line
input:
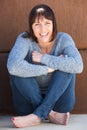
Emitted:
<point x="44" y="34"/>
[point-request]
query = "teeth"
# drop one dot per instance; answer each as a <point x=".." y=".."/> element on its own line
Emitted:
<point x="43" y="34"/>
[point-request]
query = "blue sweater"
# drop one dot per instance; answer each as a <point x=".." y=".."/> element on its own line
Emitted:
<point x="20" y="63"/>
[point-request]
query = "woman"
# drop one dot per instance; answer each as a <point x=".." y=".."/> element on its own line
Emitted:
<point x="42" y="67"/>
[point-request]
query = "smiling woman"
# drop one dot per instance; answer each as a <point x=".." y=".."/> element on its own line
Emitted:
<point x="41" y="64"/>
<point x="43" y="30"/>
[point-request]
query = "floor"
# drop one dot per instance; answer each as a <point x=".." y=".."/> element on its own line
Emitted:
<point x="76" y="122"/>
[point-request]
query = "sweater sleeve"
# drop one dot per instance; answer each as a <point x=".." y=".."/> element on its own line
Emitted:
<point x="70" y="61"/>
<point x="18" y="66"/>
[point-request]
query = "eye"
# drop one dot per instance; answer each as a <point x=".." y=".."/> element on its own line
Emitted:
<point x="47" y="23"/>
<point x="37" y="24"/>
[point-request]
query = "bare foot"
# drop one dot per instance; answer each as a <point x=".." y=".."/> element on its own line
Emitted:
<point x="59" y="118"/>
<point x="26" y="121"/>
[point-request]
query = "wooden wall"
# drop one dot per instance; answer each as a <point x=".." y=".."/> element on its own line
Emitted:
<point x="71" y="18"/>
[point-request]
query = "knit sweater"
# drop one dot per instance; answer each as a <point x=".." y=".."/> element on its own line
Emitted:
<point x="20" y="58"/>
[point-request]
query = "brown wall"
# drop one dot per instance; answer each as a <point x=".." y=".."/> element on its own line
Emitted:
<point x="71" y="18"/>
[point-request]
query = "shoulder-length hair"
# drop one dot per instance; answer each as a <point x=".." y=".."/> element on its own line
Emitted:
<point x="37" y="12"/>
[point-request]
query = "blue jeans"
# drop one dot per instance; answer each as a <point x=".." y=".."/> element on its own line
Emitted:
<point x="27" y="97"/>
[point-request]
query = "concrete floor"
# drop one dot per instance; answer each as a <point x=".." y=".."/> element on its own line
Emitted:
<point x="76" y="122"/>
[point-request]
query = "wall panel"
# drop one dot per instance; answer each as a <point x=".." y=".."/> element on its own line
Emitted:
<point x="71" y="18"/>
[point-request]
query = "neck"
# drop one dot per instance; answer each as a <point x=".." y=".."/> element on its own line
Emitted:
<point x="46" y="48"/>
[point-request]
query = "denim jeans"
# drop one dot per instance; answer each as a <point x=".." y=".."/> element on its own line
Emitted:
<point x="27" y="97"/>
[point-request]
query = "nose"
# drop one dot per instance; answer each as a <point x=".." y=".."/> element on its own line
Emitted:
<point x="43" y="28"/>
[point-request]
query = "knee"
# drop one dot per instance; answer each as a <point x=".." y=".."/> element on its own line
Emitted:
<point x="64" y="76"/>
<point x="64" y="73"/>
<point x="14" y="78"/>
<point x="19" y="80"/>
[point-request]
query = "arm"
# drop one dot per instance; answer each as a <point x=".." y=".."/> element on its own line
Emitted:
<point x="70" y="62"/>
<point x="17" y="65"/>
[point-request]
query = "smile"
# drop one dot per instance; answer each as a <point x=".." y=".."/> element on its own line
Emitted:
<point x="44" y="34"/>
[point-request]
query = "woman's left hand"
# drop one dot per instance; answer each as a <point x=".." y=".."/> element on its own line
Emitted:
<point x="36" y="56"/>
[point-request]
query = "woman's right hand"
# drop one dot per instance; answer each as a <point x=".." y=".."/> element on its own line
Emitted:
<point x="50" y="70"/>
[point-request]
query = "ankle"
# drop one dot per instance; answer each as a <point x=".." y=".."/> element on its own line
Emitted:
<point x="51" y="113"/>
<point x="36" y="117"/>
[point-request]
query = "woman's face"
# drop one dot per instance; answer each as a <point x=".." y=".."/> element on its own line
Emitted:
<point x="43" y="29"/>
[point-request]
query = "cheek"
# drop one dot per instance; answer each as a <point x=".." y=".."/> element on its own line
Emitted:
<point x="51" y="29"/>
<point x="35" y="31"/>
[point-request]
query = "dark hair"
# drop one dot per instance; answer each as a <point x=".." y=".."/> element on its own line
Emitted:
<point x="37" y="12"/>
